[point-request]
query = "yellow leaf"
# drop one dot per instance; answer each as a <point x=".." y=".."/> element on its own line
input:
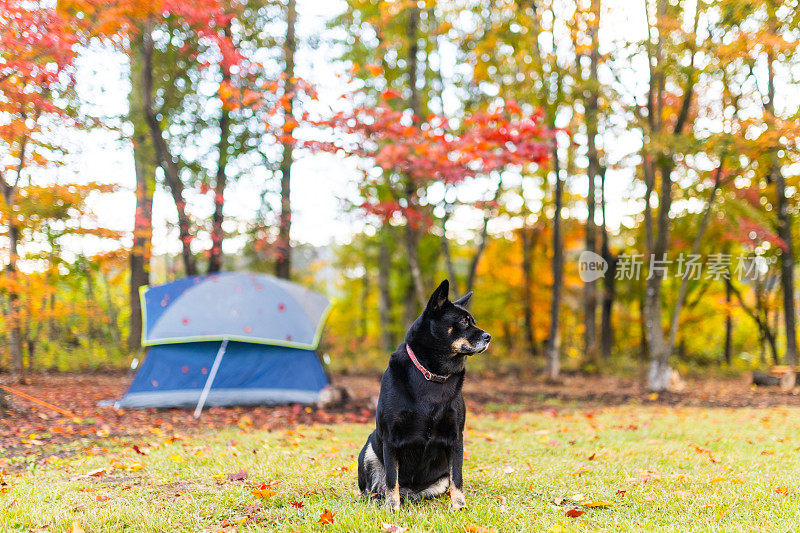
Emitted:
<point x="263" y="493"/>
<point x="177" y="458"/>
<point x="479" y="529"/>
<point x="599" y="503"/>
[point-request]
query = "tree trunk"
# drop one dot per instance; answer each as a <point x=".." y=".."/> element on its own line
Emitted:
<point x="410" y="305"/>
<point x="163" y="155"/>
<point x="659" y="371"/>
<point x="141" y="251"/>
<point x="14" y="308"/>
<point x="784" y="224"/>
<point x="728" y="324"/>
<point x="411" y="242"/>
<point x="385" y="295"/>
<point x="414" y="102"/>
<point x="762" y="323"/>
<point x="662" y="160"/>
<point x="14" y="316"/>
<point x="144" y="161"/>
<point x="553" y="349"/>
<point x="787" y="262"/>
<point x="283" y="263"/>
<point x="412" y="34"/>
<point x="221" y="179"/>
<point x="527" y="240"/>
<point x="609" y="280"/>
<point x="593" y="170"/>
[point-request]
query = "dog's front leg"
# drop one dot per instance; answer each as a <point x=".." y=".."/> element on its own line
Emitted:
<point x="457" y="500"/>
<point x="392" y="476"/>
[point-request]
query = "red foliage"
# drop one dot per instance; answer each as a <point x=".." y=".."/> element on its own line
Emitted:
<point x="36" y="55"/>
<point x="431" y="150"/>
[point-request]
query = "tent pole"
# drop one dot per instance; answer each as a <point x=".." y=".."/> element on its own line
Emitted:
<point x="211" y="375"/>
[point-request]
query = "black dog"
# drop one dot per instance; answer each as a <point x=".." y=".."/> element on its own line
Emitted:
<point x="417" y="448"/>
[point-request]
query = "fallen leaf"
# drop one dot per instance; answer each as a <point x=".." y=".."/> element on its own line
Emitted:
<point x="137" y="450"/>
<point x="238" y="476"/>
<point x="599" y="503"/>
<point x="479" y="529"/>
<point x="101" y="498"/>
<point x="574" y="513"/>
<point x="177" y="458"/>
<point x="593" y="457"/>
<point x="75" y="528"/>
<point x="783" y="491"/>
<point x="298" y="505"/>
<point x="621" y="492"/>
<point x="326" y="517"/>
<point x="264" y="491"/>
<point x="96" y="473"/>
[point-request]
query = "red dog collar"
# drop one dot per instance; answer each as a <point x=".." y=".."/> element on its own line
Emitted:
<point x="430" y="376"/>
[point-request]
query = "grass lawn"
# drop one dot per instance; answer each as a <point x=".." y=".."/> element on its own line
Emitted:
<point x="629" y="468"/>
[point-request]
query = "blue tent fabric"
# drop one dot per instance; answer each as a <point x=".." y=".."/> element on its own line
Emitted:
<point x="173" y="375"/>
<point x="267" y="330"/>
<point x="233" y="305"/>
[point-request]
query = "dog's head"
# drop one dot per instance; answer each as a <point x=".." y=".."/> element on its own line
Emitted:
<point x="447" y="330"/>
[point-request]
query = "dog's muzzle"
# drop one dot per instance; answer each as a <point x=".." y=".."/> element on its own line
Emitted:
<point x="480" y="346"/>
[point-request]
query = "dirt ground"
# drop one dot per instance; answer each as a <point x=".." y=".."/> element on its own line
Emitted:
<point x="29" y="428"/>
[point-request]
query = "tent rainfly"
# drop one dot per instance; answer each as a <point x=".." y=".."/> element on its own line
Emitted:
<point x="231" y="338"/>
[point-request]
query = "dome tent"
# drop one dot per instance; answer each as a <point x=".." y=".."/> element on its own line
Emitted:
<point x="232" y="338"/>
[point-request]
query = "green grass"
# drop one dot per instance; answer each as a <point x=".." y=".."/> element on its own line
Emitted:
<point x="681" y="469"/>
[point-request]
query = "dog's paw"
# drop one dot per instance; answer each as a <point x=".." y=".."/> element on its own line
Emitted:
<point x="393" y="504"/>
<point x="458" y="505"/>
<point x="457" y="501"/>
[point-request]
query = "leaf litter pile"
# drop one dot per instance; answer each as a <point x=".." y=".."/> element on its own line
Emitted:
<point x="534" y="460"/>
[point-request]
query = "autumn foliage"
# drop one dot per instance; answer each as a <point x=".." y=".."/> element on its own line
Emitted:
<point x="412" y="153"/>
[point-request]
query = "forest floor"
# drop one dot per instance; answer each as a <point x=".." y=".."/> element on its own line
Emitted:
<point x="591" y="452"/>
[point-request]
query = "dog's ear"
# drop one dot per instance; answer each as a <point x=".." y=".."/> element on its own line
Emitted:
<point x="464" y="300"/>
<point x="438" y="298"/>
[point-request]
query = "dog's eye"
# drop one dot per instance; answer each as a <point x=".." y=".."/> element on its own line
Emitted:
<point x="464" y="322"/>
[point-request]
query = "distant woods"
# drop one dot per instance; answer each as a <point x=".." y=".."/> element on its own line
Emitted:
<point x="494" y="141"/>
